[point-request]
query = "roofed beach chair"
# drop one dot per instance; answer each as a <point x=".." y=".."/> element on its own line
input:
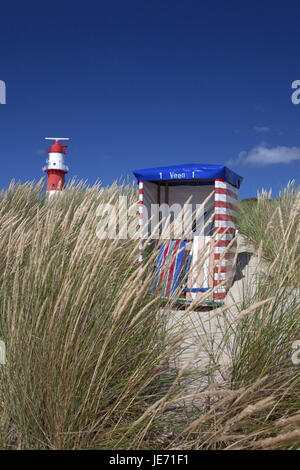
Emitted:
<point x="201" y="264"/>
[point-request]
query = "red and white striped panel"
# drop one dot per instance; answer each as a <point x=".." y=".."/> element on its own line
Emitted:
<point x="226" y="200"/>
<point x="141" y="202"/>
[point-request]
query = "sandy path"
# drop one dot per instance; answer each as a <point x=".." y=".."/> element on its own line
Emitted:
<point x="204" y="331"/>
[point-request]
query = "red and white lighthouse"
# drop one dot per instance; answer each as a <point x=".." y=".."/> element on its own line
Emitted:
<point x="56" y="168"/>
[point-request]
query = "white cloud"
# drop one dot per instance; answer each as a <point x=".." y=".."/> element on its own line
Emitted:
<point x="261" y="129"/>
<point x="262" y="155"/>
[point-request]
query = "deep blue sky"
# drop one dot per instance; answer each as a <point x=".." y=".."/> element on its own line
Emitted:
<point x="145" y="83"/>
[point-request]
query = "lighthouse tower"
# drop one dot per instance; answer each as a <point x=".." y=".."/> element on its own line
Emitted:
<point x="56" y="168"/>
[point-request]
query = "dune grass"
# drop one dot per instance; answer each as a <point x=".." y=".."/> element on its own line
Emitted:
<point x="263" y="220"/>
<point x="88" y="351"/>
<point x="259" y="406"/>
<point x="84" y="344"/>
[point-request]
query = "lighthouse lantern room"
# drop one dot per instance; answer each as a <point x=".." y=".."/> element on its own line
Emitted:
<point x="56" y="168"/>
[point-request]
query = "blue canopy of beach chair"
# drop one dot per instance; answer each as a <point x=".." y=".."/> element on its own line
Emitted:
<point x="189" y="171"/>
